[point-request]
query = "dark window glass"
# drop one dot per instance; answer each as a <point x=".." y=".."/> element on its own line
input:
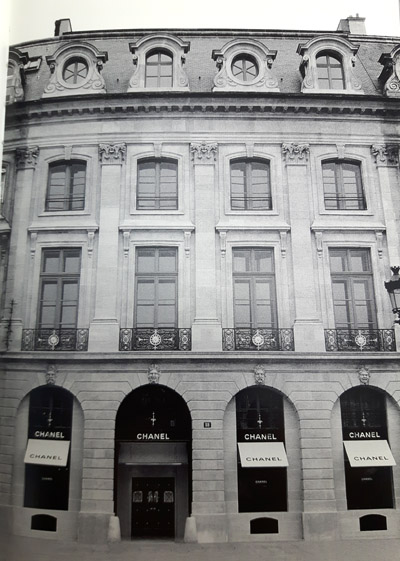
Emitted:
<point x="250" y="185"/>
<point x="352" y="289"/>
<point x="59" y="288"/>
<point x="363" y="410"/>
<point x="75" y="71"/>
<point x="157" y="185"/>
<point x="330" y="72"/>
<point x="156" y="287"/>
<point x="66" y="186"/>
<point x="254" y="288"/>
<point x="343" y="186"/>
<point x="50" y="409"/>
<point x="244" y="68"/>
<point x="159" y="70"/>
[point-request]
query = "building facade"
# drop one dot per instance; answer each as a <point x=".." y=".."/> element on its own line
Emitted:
<point x="196" y="227"/>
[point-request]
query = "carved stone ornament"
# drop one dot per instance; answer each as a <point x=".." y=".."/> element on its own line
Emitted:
<point x="261" y="78"/>
<point x="153" y="374"/>
<point x="390" y="75"/>
<point x="342" y="49"/>
<point x="295" y="153"/>
<point x="16" y="76"/>
<point x="175" y="47"/>
<point x="386" y="154"/>
<point x="27" y="157"/>
<point x="203" y="151"/>
<point x="259" y="375"/>
<point x="364" y="375"/>
<point x="51" y="374"/>
<point x="112" y="153"/>
<point x="85" y="61"/>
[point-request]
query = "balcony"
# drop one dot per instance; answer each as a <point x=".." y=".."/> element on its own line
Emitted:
<point x="375" y="340"/>
<point x="249" y="339"/>
<point x="161" y="339"/>
<point x="55" y="339"/>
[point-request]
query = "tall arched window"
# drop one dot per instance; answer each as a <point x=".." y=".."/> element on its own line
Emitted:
<point x="343" y="189"/>
<point x="330" y="71"/>
<point x="250" y="184"/>
<point x="159" y="69"/>
<point x="157" y="184"/>
<point x="66" y="185"/>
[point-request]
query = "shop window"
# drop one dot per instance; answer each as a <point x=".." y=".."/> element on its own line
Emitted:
<point x="352" y="289"/>
<point x="329" y="71"/>
<point x="250" y="185"/>
<point x="254" y="288"/>
<point x="66" y="184"/>
<point x="159" y="62"/>
<point x="49" y="430"/>
<point x="157" y="185"/>
<point x="343" y="188"/>
<point x="245" y="65"/>
<point x="59" y="289"/>
<point x="262" y="461"/>
<point x="156" y="288"/>
<point x="368" y="473"/>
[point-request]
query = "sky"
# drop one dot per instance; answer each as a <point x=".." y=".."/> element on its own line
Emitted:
<point x="34" y="19"/>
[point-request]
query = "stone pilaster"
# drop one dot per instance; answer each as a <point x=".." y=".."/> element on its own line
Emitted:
<point x="206" y="329"/>
<point x="104" y="329"/>
<point x="308" y="329"/>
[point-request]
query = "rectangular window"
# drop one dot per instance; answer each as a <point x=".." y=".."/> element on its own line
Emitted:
<point x="343" y="188"/>
<point x="250" y="185"/>
<point x="66" y="186"/>
<point x="157" y="185"/>
<point x="156" y="287"/>
<point x="352" y="289"/>
<point x="59" y="289"/>
<point x="254" y="288"/>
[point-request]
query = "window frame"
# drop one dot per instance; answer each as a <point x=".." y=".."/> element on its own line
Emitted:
<point x="68" y="199"/>
<point x="252" y="277"/>
<point x="248" y="184"/>
<point x="329" y="70"/>
<point x="159" y="65"/>
<point x="158" y="162"/>
<point x="340" y="190"/>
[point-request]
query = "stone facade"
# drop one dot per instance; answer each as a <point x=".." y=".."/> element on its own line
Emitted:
<point x="207" y="360"/>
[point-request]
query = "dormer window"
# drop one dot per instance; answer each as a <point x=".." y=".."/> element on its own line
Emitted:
<point x="328" y="66"/>
<point x="75" y="71"/>
<point x="245" y="68"/>
<point x="159" y="70"/>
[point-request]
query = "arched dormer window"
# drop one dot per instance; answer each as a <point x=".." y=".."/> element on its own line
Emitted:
<point x="329" y="71"/>
<point x="328" y="65"/>
<point x="75" y="70"/>
<point x="159" y="69"/>
<point x="159" y="64"/>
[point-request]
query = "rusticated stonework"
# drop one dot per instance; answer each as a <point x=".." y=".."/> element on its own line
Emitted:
<point x="385" y="154"/>
<point x="295" y="153"/>
<point x="112" y="153"/>
<point x="27" y="157"/>
<point x="203" y="151"/>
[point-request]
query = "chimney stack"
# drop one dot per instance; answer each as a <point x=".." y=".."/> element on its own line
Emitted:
<point x="62" y="26"/>
<point x="353" y="24"/>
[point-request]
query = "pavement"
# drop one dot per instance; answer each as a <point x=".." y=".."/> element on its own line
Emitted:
<point x="17" y="548"/>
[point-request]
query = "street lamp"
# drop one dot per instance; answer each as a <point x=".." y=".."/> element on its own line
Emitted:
<point x="393" y="288"/>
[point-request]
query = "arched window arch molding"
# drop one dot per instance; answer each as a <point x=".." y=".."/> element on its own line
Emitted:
<point x="338" y="47"/>
<point x="160" y="42"/>
<point x="390" y="75"/>
<point x="93" y="82"/>
<point x="264" y="58"/>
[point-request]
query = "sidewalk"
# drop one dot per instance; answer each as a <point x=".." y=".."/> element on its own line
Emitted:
<point x="19" y="548"/>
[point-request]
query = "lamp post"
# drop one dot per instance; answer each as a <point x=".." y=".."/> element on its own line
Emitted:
<point x="393" y="288"/>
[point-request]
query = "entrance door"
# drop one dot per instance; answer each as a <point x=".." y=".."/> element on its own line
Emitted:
<point x="153" y="507"/>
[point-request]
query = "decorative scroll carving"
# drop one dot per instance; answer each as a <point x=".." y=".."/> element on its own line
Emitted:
<point x="127" y="238"/>
<point x="259" y="375"/>
<point x="222" y="241"/>
<point x="51" y="374"/>
<point x="112" y="153"/>
<point x="33" y="240"/>
<point x="320" y="248"/>
<point x="385" y="154"/>
<point x="295" y="153"/>
<point x="153" y="374"/>
<point x="283" y="237"/>
<point x="390" y="75"/>
<point x="203" y="151"/>
<point x="364" y="375"/>
<point x="27" y="157"/>
<point x="90" y="234"/>
<point x="379" y="243"/>
<point x="187" y="237"/>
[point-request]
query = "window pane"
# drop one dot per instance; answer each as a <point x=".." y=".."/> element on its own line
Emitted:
<point x="337" y="261"/>
<point x="146" y="290"/>
<point x="241" y="261"/>
<point x="167" y="261"/>
<point x="51" y="262"/>
<point x="68" y="316"/>
<point x="49" y="291"/>
<point x="146" y="261"/>
<point x="263" y="261"/>
<point x="165" y="81"/>
<point x="145" y="315"/>
<point x="72" y="262"/>
<point x="359" y="260"/>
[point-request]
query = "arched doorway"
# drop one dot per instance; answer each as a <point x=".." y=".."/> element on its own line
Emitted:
<point x="153" y="463"/>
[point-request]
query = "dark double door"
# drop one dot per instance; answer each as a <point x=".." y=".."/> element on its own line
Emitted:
<point x="153" y="507"/>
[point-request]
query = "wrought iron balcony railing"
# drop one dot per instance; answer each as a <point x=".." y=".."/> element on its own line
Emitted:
<point x="249" y="339"/>
<point x="160" y="339"/>
<point x="381" y="340"/>
<point x="55" y="339"/>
